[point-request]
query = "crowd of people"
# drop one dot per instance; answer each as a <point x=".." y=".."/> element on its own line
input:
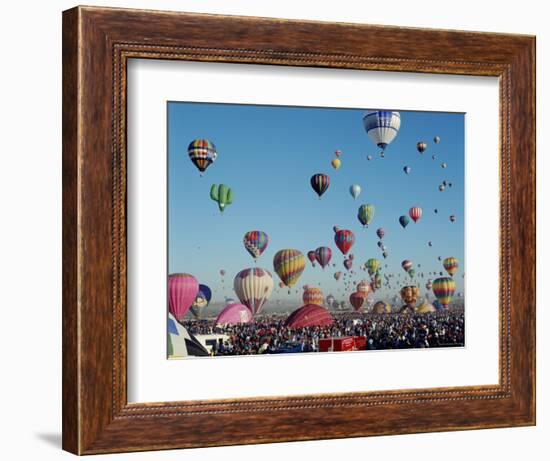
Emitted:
<point x="268" y="334"/>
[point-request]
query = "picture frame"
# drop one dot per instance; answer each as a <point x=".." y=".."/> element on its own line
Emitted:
<point x="97" y="44"/>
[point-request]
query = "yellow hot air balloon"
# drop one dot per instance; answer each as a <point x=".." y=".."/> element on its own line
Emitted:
<point x="444" y="290"/>
<point x="425" y="308"/>
<point x="289" y="265"/>
<point x="336" y="163"/>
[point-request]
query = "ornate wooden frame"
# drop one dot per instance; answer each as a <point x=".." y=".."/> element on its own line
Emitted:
<point x="97" y="43"/>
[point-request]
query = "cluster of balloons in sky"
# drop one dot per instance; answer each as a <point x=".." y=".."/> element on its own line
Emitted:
<point x="253" y="286"/>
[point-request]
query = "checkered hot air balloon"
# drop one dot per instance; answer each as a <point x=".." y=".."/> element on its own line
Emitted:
<point x="255" y="242"/>
<point x="382" y="126"/>
<point x="253" y="287"/>
<point x="202" y="153"/>
<point x="344" y="240"/>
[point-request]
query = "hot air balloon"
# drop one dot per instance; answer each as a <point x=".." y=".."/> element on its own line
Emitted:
<point x="434" y="157"/>
<point x="320" y="182"/>
<point x="372" y="266"/>
<point x="330" y="300"/>
<point x="407" y="265"/>
<point x="415" y="213"/>
<point x="323" y="256"/>
<point x="234" y="314"/>
<point x="444" y="290"/>
<point x="309" y="315"/>
<point x="348" y="263"/>
<point x="337" y="152"/>
<point x="382" y="126"/>
<point x="409" y="295"/>
<point x="452" y="218"/>
<point x="430" y="243"/>
<point x="437" y="139"/>
<point x="344" y="240"/>
<point x="421" y="146"/>
<point x="336" y="163"/>
<point x="365" y="214"/>
<point x="202" y="153"/>
<point x="255" y="242"/>
<point x="451" y="265"/>
<point x="411" y="273"/>
<point x="182" y="291"/>
<point x="202" y="300"/>
<point x="222" y="272"/>
<point x="355" y="190"/>
<point x="381" y="307"/>
<point x="407" y="169"/>
<point x="313" y="295"/>
<point x="425" y="308"/>
<point x="337" y="275"/>
<point x="404" y="221"/>
<point x="289" y="265"/>
<point x="443" y="165"/>
<point x="253" y="287"/>
<point x="385" y="254"/>
<point x="369" y="157"/>
<point x="363" y="287"/>
<point x="380" y="232"/>
<point x="222" y="195"/>
<point x="357" y="300"/>
<point x="312" y="257"/>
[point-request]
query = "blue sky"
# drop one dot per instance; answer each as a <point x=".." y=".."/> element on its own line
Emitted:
<point x="267" y="155"/>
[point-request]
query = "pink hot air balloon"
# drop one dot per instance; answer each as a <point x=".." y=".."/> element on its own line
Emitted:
<point x="312" y="257"/>
<point x="308" y="316"/>
<point x="337" y="275"/>
<point x="323" y="256"/>
<point x="182" y="291"/>
<point x="415" y="213"/>
<point x="234" y="314"/>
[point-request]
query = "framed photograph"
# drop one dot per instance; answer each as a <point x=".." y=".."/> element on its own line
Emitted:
<point x="280" y="230"/>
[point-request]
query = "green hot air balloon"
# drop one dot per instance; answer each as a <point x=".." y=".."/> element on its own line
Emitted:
<point x="222" y="195"/>
<point x="365" y="214"/>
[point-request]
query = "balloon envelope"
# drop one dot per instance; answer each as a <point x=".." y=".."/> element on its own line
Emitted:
<point x="253" y="287"/>
<point x="202" y="153"/>
<point x="382" y="126"/>
<point x="182" y="291"/>
<point x="308" y="316"/>
<point x="233" y="314"/>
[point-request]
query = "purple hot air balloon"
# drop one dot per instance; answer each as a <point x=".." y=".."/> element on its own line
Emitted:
<point x="323" y="255"/>
<point x="233" y="314"/>
<point x="182" y="291"/>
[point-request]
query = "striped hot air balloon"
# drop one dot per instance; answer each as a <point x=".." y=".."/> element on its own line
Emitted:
<point x="202" y="153"/>
<point x="319" y="183"/>
<point x="444" y="290"/>
<point x="308" y="316"/>
<point x="344" y="240"/>
<point x="253" y="287"/>
<point x="313" y="295"/>
<point x="415" y="213"/>
<point x="323" y="256"/>
<point x="182" y="291"/>
<point x="289" y="265"/>
<point x="365" y="214"/>
<point x="382" y="126"/>
<point x="255" y="242"/>
<point x="451" y="265"/>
